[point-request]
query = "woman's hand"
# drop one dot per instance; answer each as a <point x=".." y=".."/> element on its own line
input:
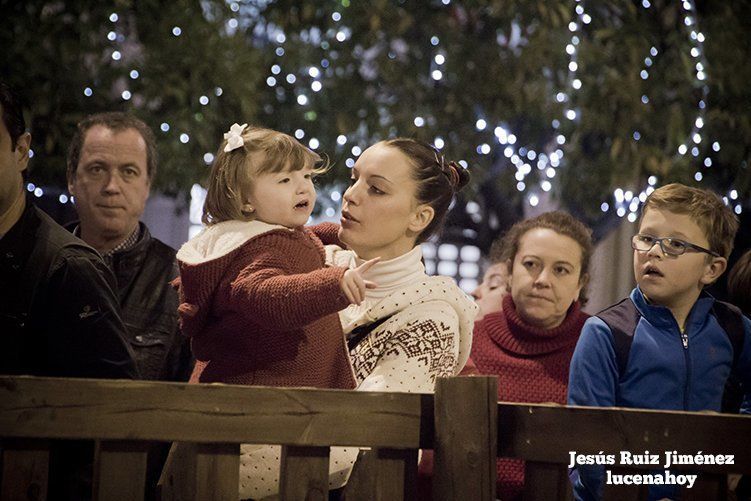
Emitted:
<point x="353" y="284"/>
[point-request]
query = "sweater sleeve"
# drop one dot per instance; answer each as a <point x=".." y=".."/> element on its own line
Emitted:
<point x="268" y="294"/>
<point x="328" y="233"/>
<point x="593" y="379"/>
<point x="411" y="357"/>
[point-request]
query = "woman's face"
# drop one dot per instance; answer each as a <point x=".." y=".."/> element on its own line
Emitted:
<point x="380" y="215"/>
<point x="545" y="277"/>
<point x="489" y="294"/>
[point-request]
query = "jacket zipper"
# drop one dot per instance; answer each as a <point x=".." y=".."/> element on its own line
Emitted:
<point x="687" y="387"/>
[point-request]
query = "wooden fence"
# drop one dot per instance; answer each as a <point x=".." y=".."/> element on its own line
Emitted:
<point x="462" y="422"/>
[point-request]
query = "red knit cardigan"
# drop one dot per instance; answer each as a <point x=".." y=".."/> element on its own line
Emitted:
<point x="266" y="314"/>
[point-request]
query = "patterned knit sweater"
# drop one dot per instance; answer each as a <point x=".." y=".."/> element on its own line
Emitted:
<point x="428" y="331"/>
<point x="428" y="334"/>
<point x="260" y="307"/>
<point x="532" y="365"/>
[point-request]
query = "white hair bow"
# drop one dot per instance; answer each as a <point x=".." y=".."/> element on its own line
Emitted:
<point x="234" y="137"/>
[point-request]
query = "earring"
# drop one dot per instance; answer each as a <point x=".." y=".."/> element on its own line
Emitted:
<point x="248" y="209"/>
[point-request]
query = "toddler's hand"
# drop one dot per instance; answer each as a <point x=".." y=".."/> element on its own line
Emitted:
<point x="353" y="285"/>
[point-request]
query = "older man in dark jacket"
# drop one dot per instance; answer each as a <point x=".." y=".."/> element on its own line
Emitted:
<point x="111" y="163"/>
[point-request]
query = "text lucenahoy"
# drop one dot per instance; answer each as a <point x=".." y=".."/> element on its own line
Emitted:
<point x="666" y="460"/>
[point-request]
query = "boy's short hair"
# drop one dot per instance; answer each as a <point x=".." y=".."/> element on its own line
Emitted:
<point x="232" y="172"/>
<point x="704" y="207"/>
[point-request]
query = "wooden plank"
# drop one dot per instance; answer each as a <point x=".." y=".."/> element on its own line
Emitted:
<point x="148" y="410"/>
<point x="395" y="475"/>
<point x="548" y="433"/>
<point x="383" y="474"/>
<point x="465" y="442"/>
<point x="304" y="473"/>
<point x="177" y="482"/>
<point x="362" y="480"/>
<point x="217" y="471"/>
<point x="543" y="481"/>
<point x="25" y="470"/>
<point x="119" y="470"/>
<point x="707" y="487"/>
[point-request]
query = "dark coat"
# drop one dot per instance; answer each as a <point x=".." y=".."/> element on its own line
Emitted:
<point x="59" y="314"/>
<point x="149" y="309"/>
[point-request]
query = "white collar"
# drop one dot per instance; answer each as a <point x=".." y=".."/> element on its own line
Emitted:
<point x="388" y="275"/>
<point x="222" y="238"/>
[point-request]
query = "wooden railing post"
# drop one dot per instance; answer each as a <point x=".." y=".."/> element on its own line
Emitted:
<point x="465" y="445"/>
<point x="217" y="471"/>
<point x="119" y="470"/>
<point x="543" y="481"/>
<point x="304" y="473"/>
<point x="25" y="469"/>
<point x="178" y="474"/>
<point x="384" y="475"/>
<point x="194" y="472"/>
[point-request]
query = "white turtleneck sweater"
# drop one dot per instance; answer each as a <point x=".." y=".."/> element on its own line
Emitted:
<point x="429" y="328"/>
<point x="428" y="334"/>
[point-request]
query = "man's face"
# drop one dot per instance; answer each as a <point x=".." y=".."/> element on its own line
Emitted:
<point x="13" y="161"/>
<point x="110" y="185"/>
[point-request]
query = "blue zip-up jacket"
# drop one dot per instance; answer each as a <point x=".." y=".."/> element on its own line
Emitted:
<point x="666" y="370"/>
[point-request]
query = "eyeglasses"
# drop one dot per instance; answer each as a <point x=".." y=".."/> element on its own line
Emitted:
<point x="669" y="246"/>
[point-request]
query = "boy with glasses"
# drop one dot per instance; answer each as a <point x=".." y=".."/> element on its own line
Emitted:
<point x="669" y="345"/>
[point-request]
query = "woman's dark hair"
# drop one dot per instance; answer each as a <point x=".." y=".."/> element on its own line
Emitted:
<point x="560" y="222"/>
<point x="739" y="283"/>
<point x="438" y="180"/>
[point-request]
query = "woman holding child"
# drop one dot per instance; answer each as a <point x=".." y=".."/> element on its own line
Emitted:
<point x="411" y="328"/>
<point x="530" y="341"/>
<point x="257" y="299"/>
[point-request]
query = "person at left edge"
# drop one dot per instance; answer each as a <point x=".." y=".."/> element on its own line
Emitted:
<point x="59" y="315"/>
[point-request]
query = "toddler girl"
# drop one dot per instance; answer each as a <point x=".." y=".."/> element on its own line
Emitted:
<point x="256" y="298"/>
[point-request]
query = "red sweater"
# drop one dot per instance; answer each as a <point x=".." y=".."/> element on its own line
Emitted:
<point x="532" y="365"/>
<point x="265" y="313"/>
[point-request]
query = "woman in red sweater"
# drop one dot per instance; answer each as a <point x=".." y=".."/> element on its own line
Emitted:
<point x="528" y="344"/>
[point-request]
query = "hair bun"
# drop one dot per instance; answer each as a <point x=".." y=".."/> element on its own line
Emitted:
<point x="458" y="175"/>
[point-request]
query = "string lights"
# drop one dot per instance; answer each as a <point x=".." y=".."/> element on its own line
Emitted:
<point x="625" y="203"/>
<point x="541" y="164"/>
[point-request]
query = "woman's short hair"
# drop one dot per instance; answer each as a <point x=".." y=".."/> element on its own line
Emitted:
<point x="559" y="221"/>
<point x="438" y="180"/>
<point x="232" y="172"/>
